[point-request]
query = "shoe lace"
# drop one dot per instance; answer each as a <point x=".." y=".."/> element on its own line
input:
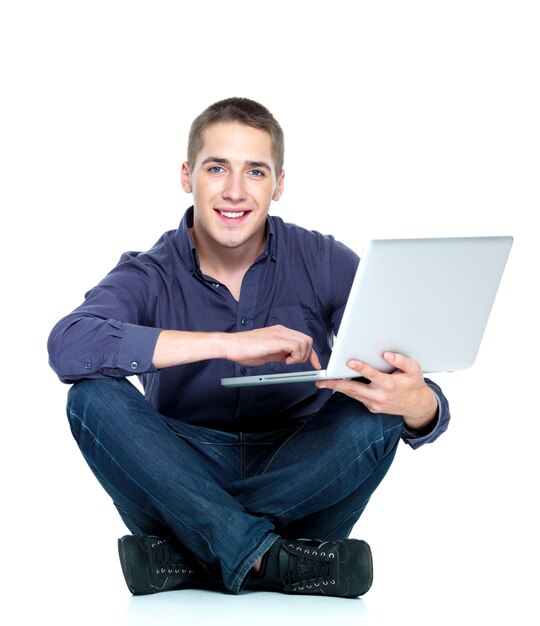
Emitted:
<point x="310" y="567"/>
<point x="166" y="560"/>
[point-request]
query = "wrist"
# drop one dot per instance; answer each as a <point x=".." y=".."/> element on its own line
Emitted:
<point x="427" y="413"/>
<point x="223" y="346"/>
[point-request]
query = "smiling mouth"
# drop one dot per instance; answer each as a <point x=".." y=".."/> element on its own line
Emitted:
<point x="232" y="214"/>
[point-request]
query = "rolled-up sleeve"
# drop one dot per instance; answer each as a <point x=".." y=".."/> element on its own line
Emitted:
<point x="112" y="332"/>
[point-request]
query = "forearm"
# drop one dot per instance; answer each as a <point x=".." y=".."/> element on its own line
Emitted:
<point x="251" y="347"/>
<point x="176" y="347"/>
<point x="89" y="347"/>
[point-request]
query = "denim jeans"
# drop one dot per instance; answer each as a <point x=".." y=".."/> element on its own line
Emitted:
<point x="227" y="496"/>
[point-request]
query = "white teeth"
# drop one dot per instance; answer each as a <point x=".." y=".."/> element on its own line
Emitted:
<point x="232" y="214"/>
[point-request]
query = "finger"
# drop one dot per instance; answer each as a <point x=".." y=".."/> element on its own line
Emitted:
<point x="314" y="360"/>
<point x="367" y="371"/>
<point x="300" y="350"/>
<point x="359" y="391"/>
<point x="402" y="362"/>
<point x="304" y="347"/>
<point x="295" y="347"/>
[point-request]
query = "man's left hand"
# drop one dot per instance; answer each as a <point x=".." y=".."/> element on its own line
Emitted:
<point x="403" y="392"/>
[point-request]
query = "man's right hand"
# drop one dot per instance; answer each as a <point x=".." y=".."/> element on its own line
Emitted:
<point x="274" y="343"/>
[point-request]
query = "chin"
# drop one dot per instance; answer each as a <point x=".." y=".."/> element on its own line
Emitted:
<point x="232" y="245"/>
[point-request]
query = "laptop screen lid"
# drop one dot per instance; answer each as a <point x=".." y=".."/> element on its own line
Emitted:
<point x="428" y="299"/>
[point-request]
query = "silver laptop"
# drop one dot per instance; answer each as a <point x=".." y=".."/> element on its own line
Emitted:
<point x="428" y="299"/>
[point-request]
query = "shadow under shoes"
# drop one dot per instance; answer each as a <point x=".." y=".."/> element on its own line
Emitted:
<point x="332" y="568"/>
<point x="151" y="564"/>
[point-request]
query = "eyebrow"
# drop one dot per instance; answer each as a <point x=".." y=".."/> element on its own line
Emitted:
<point x="222" y="161"/>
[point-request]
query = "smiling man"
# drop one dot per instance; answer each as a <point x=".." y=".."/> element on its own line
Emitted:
<point x="218" y="486"/>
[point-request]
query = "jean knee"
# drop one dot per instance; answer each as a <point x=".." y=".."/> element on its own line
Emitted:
<point x="379" y="430"/>
<point x="106" y="393"/>
<point x="90" y="402"/>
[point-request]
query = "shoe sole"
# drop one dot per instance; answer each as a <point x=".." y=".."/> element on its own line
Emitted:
<point x="364" y="562"/>
<point x="124" y="550"/>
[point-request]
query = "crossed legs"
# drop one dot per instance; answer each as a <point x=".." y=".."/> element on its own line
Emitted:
<point x="226" y="496"/>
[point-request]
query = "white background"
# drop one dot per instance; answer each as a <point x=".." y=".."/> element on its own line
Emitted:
<point x="401" y="119"/>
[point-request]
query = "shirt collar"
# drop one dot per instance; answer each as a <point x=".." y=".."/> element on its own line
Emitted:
<point x="188" y="250"/>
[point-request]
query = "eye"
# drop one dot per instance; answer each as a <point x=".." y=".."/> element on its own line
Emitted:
<point x="215" y="169"/>
<point x="256" y="173"/>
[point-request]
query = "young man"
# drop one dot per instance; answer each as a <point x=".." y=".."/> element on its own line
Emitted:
<point x="219" y="485"/>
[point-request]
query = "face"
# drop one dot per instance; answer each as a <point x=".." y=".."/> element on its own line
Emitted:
<point x="233" y="182"/>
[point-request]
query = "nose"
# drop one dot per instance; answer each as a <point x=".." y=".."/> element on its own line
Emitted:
<point x="234" y="188"/>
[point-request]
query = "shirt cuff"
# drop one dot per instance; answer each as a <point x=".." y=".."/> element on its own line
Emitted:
<point x="436" y="428"/>
<point x="137" y="349"/>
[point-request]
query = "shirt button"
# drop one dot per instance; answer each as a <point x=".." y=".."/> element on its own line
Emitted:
<point x="87" y="365"/>
<point x="134" y="365"/>
<point x="243" y="371"/>
<point x="243" y="321"/>
<point x="216" y="285"/>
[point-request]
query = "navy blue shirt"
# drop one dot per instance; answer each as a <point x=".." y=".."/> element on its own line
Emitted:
<point x="301" y="280"/>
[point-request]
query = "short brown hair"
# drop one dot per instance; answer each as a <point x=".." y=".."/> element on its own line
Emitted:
<point x="240" y="110"/>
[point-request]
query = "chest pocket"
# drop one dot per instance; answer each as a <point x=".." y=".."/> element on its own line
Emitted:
<point x="295" y="318"/>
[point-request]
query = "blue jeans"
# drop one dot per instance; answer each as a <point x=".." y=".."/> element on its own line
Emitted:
<point x="227" y="496"/>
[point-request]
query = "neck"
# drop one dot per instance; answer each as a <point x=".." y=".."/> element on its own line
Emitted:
<point x="227" y="265"/>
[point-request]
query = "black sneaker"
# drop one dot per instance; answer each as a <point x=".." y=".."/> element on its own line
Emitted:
<point x="328" y="568"/>
<point x="151" y="564"/>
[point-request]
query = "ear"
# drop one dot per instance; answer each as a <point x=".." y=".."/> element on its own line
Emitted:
<point x="279" y="186"/>
<point x="185" y="177"/>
